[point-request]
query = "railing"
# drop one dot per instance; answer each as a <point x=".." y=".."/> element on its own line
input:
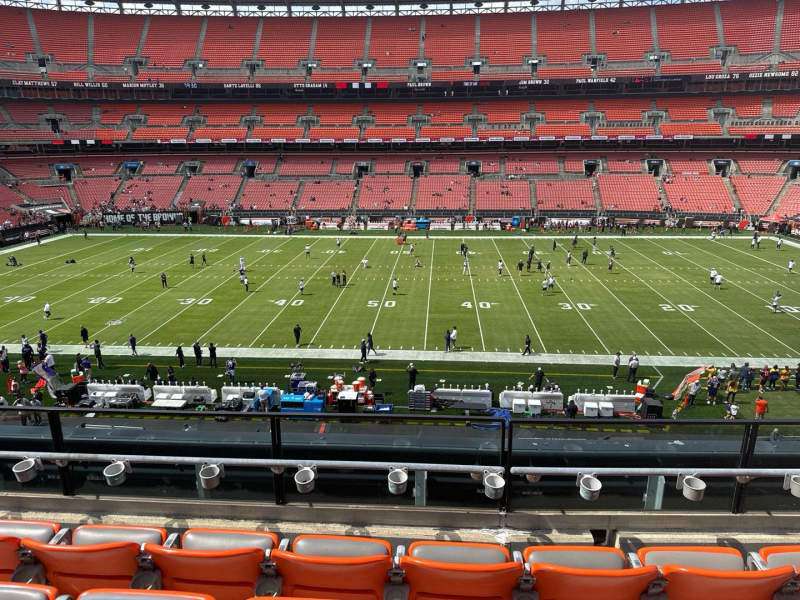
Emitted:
<point x="480" y="462"/>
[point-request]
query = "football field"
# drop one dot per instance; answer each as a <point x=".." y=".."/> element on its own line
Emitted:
<point x="657" y="300"/>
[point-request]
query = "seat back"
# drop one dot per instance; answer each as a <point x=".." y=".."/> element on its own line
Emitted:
<point x="223" y="574"/>
<point x="432" y="570"/>
<point x="227" y="539"/>
<point x="689" y="583"/>
<point x="556" y="582"/>
<point x="85" y="535"/>
<point x="703" y="557"/>
<point x="27" y="591"/>
<point x="576" y="557"/>
<point x="10" y="534"/>
<point x="336" y="567"/>
<point x="777" y="556"/>
<point x="9" y="557"/>
<point x="75" y="569"/>
<point x="110" y="594"/>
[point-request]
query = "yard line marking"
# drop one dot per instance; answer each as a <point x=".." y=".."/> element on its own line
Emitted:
<point x="728" y="308"/>
<point x="219" y="285"/>
<point x="38" y="262"/>
<point x="248" y="296"/>
<point x="80" y="291"/>
<point x="625" y="306"/>
<point x="737" y="265"/>
<point x="519" y="295"/>
<point x="428" y="307"/>
<point x="475" y="303"/>
<point x="356" y="271"/>
<point x="685" y="314"/>
<point x="386" y="289"/>
<point x="166" y="291"/>
<point x="296" y="294"/>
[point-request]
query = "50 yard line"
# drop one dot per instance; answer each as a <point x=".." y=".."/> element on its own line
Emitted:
<point x="386" y="289"/>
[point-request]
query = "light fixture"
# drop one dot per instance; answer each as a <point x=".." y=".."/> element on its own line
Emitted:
<point x="117" y="472"/>
<point x="398" y="481"/>
<point x="305" y="478"/>
<point x="589" y="487"/>
<point x="27" y="469"/>
<point x="791" y="482"/>
<point x="692" y="486"/>
<point x="210" y="475"/>
<point x="493" y="485"/>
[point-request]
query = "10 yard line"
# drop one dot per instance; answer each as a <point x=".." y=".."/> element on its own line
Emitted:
<point x="475" y="304"/>
<point x="428" y="307"/>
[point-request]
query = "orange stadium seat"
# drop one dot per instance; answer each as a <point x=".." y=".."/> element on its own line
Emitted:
<point x="11" y="532"/>
<point x="336" y="567"/>
<point x="114" y="594"/>
<point x="27" y="591"/>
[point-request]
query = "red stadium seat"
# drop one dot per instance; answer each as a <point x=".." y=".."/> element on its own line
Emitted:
<point x="11" y="532"/>
<point x="337" y="567"/>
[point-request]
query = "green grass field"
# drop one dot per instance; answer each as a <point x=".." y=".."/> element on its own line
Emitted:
<point x="656" y="301"/>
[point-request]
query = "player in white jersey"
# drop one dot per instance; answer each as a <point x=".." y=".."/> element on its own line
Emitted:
<point x="718" y="281"/>
<point x="465" y="269"/>
<point x="411" y="249"/>
<point x="551" y="282"/>
<point x="242" y="266"/>
<point x="790" y="266"/>
<point x="365" y="263"/>
<point x="545" y="283"/>
<point x="776" y="302"/>
<point x="500" y="267"/>
<point x="301" y="285"/>
<point x="395" y="286"/>
<point x="131" y="264"/>
<point x="47" y="312"/>
<point x="779" y="243"/>
<point x="338" y="243"/>
<point x="308" y="251"/>
<point x="712" y="275"/>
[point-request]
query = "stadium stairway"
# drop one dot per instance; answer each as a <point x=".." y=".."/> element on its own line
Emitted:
<point x="732" y="193"/>
<point x="143" y="36"/>
<point x="654" y="33"/>
<point x="90" y="40"/>
<point x="201" y="39"/>
<point x="592" y="33"/>
<point x="779" y="197"/>
<point x="312" y="43"/>
<point x="367" y="38"/>
<point x="37" y="43"/>
<point x="779" y="6"/>
<point x="718" y="21"/>
<point x="598" y="202"/>
<point x="534" y="202"/>
<point x="176" y="200"/>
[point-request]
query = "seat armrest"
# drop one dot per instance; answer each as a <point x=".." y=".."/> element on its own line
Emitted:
<point x="62" y="537"/>
<point x="283" y="545"/>
<point x="64" y="597"/>
<point x="634" y="561"/>
<point x="755" y="562"/>
<point x="172" y="540"/>
<point x="517" y="555"/>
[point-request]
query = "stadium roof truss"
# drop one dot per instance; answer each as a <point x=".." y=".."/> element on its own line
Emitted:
<point x="330" y="8"/>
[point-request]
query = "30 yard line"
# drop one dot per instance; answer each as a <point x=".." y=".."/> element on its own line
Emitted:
<point x="81" y="291"/>
<point x="428" y="306"/>
<point x="248" y="296"/>
<point x="216" y="287"/>
<point x="296" y="294"/>
<point x="728" y="308"/>
<point x="355" y="271"/>
<point x="519" y="295"/>
<point x="621" y="303"/>
<point x="386" y="289"/>
<point x="475" y="303"/>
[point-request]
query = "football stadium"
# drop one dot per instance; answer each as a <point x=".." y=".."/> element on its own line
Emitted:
<point x="492" y="300"/>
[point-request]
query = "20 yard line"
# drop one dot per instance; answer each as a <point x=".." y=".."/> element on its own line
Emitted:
<point x="428" y="306"/>
<point x="519" y="295"/>
<point x="341" y="293"/>
<point x="475" y="304"/>
<point x="296" y="294"/>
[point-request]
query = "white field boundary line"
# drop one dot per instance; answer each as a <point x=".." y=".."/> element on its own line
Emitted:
<point x="671" y="303"/>
<point x="428" y="305"/>
<point x="725" y="306"/>
<point x="81" y="291"/>
<point x="355" y="272"/>
<point x="62" y="281"/>
<point x="519" y="295"/>
<point x="258" y="289"/>
<point x="622" y="304"/>
<point x="211" y="291"/>
<point x="386" y="289"/>
<point x="11" y="249"/>
<point x="160" y="294"/>
<point x="689" y="362"/>
<point x="738" y="266"/>
<point x="744" y="289"/>
<point x="369" y="236"/>
<point x="474" y="303"/>
<point x="296" y="294"/>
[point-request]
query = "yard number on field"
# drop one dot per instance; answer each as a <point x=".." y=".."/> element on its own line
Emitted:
<point x="682" y="307"/>
<point x="377" y="303"/>
<point x="787" y="309"/>
<point x="468" y="304"/>
<point x="199" y="302"/>
<point x="578" y="305"/>
<point x="18" y="298"/>
<point x="104" y="300"/>
<point x="284" y="301"/>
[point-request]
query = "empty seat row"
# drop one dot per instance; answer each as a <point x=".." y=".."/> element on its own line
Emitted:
<point x="236" y="565"/>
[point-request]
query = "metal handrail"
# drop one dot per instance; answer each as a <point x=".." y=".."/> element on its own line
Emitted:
<point x="652" y="471"/>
